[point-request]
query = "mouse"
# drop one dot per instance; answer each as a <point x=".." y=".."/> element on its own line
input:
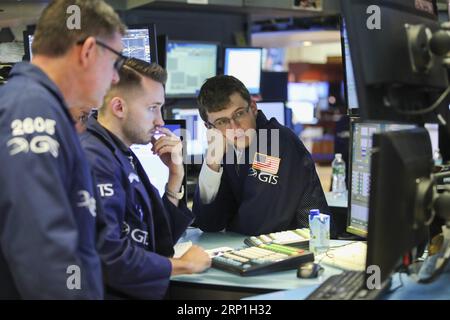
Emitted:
<point x="309" y="270"/>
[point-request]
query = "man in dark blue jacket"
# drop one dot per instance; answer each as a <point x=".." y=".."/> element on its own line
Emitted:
<point x="257" y="176"/>
<point x="142" y="227"/>
<point x="47" y="206"/>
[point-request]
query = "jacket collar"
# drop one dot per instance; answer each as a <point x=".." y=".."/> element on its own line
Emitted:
<point x="112" y="141"/>
<point x="261" y="121"/>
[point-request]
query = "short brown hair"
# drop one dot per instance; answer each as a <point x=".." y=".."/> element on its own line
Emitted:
<point x="215" y="94"/>
<point x="134" y="69"/>
<point x="131" y="76"/>
<point x="52" y="36"/>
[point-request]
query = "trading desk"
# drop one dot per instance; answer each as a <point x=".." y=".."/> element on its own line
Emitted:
<point x="218" y="284"/>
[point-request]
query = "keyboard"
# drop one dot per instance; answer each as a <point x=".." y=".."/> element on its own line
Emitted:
<point x="350" y="257"/>
<point x="265" y="258"/>
<point x="349" y="285"/>
<point x="295" y="238"/>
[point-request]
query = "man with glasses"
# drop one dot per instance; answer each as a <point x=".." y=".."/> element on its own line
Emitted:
<point x="48" y="213"/>
<point x="257" y="176"/>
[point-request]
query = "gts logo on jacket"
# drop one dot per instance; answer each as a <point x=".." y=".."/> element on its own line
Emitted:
<point x="137" y="235"/>
<point x="263" y="176"/>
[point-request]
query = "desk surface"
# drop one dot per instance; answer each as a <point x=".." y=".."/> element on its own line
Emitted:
<point x="264" y="283"/>
<point x="285" y="285"/>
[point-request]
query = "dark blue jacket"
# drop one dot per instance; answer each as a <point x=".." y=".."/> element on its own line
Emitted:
<point x="253" y="202"/>
<point x="47" y="205"/>
<point x="142" y="227"/>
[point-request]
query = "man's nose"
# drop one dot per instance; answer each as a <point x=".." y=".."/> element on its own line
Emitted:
<point x="159" y="120"/>
<point x="234" y="124"/>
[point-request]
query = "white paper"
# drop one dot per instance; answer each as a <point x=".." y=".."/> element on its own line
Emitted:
<point x="181" y="248"/>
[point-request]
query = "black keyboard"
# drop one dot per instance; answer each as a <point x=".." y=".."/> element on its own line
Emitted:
<point x="265" y="258"/>
<point x="349" y="285"/>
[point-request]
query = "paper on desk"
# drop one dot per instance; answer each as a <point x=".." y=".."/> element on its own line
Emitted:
<point x="181" y="248"/>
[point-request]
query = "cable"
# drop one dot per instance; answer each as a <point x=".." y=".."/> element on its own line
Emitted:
<point x="435" y="105"/>
<point x="329" y="252"/>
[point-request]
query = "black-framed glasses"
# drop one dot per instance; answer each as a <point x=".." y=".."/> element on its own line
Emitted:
<point x="224" y="123"/>
<point x="118" y="64"/>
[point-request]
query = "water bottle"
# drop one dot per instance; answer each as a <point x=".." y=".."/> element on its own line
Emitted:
<point x="437" y="158"/>
<point x="319" y="228"/>
<point x="338" y="171"/>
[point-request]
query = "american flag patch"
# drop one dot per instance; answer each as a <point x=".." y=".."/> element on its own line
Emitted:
<point x="266" y="163"/>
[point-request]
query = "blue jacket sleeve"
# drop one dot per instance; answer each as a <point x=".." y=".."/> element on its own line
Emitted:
<point x="180" y="217"/>
<point x="170" y="222"/>
<point x="214" y="217"/>
<point x="128" y="268"/>
<point x="38" y="232"/>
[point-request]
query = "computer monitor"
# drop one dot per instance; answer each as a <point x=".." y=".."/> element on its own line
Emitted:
<point x="244" y="63"/>
<point x="396" y="225"/>
<point x="196" y="140"/>
<point x="27" y="44"/>
<point x="273" y="110"/>
<point x="156" y="170"/>
<point x="390" y="83"/>
<point x="349" y="77"/>
<point x="189" y="64"/>
<point x="140" y="42"/>
<point x="303" y="112"/>
<point x="361" y="137"/>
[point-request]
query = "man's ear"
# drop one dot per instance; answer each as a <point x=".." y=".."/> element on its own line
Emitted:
<point x="253" y="107"/>
<point x="118" y="106"/>
<point x="87" y="52"/>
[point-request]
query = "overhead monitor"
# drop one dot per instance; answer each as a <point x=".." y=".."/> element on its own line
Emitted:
<point x="244" y="63"/>
<point x="140" y="42"/>
<point x="189" y="64"/>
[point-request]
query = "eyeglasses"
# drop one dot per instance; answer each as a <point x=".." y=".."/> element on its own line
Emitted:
<point x="224" y="123"/>
<point x="118" y="64"/>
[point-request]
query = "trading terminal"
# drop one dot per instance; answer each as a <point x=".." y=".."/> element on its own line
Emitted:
<point x="395" y="94"/>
